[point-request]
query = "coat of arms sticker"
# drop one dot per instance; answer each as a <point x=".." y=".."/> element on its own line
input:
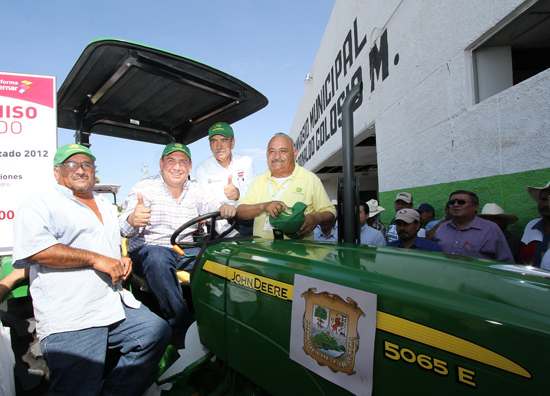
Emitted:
<point x="332" y="332"/>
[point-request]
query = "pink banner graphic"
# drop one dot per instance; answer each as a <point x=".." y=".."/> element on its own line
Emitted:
<point x="30" y="88"/>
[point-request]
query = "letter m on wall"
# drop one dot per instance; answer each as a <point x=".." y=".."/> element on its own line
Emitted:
<point x="379" y="59"/>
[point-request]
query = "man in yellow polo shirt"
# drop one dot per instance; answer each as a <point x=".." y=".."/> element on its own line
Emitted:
<point x="284" y="184"/>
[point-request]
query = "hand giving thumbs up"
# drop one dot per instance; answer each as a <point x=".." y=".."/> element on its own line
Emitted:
<point x="230" y="190"/>
<point x="141" y="214"/>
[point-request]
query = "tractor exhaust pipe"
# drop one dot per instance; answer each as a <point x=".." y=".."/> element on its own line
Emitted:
<point x="350" y="233"/>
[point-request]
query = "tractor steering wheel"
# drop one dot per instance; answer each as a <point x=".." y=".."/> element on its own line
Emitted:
<point x="208" y="237"/>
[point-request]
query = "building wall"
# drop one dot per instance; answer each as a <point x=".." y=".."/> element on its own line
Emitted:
<point x="342" y="61"/>
<point x="431" y="137"/>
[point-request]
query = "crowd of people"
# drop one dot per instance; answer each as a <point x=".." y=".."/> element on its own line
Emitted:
<point x="68" y="241"/>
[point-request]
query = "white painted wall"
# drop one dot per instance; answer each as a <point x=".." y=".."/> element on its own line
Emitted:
<point x="428" y="128"/>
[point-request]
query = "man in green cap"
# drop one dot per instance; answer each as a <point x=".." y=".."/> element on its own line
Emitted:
<point x="70" y="239"/>
<point x="284" y="184"/>
<point x="226" y="174"/>
<point x="155" y="208"/>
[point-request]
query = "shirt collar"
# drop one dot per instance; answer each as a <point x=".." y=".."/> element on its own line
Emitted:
<point x="539" y="225"/>
<point x="416" y="242"/>
<point x="67" y="192"/>
<point x="292" y="175"/>
<point x="165" y="186"/>
<point x="218" y="163"/>
<point x="475" y="223"/>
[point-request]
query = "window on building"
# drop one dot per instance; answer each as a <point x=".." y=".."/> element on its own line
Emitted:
<point x="516" y="52"/>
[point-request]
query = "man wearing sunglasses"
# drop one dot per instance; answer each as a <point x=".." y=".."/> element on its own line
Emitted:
<point x="70" y="239"/>
<point x="469" y="235"/>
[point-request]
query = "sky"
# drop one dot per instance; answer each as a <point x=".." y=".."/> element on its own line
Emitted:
<point x="268" y="45"/>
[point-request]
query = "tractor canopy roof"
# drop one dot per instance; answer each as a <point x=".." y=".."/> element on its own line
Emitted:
<point x="131" y="91"/>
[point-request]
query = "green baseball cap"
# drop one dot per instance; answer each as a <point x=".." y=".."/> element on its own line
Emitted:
<point x="220" y="128"/>
<point x="290" y="220"/>
<point x="170" y="148"/>
<point x="67" y="150"/>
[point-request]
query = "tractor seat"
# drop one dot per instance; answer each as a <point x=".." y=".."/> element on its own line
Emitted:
<point x="139" y="282"/>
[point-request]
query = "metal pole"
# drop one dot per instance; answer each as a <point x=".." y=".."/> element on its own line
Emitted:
<point x="350" y="222"/>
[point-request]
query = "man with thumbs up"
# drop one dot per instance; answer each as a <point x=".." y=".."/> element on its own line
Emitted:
<point x="226" y="174"/>
<point x="155" y="208"/>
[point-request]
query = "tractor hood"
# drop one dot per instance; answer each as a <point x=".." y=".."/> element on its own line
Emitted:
<point x="256" y="309"/>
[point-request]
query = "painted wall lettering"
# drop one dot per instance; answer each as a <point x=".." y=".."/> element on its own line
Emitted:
<point x="325" y="115"/>
<point x="378" y="58"/>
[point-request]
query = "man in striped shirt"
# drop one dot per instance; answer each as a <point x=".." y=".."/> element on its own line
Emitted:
<point x="155" y="208"/>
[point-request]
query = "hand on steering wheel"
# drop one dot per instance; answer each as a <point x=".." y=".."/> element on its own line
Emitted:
<point x="211" y="215"/>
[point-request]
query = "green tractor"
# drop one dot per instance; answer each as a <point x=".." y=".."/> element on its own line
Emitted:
<point x="291" y="317"/>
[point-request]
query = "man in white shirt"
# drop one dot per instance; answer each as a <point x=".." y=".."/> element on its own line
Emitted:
<point x="70" y="239"/>
<point x="226" y="174"/>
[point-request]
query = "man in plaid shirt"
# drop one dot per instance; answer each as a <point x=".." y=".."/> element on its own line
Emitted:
<point x="155" y="208"/>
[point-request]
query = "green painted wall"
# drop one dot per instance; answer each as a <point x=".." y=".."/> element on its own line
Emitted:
<point x="507" y="191"/>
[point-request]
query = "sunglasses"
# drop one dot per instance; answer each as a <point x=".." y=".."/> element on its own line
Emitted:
<point x="458" y="201"/>
<point x="72" y="166"/>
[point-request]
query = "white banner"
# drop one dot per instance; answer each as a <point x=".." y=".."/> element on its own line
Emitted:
<point x="28" y="141"/>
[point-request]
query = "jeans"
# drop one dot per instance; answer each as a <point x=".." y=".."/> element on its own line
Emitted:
<point x="159" y="266"/>
<point x="76" y="358"/>
<point x="244" y="227"/>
